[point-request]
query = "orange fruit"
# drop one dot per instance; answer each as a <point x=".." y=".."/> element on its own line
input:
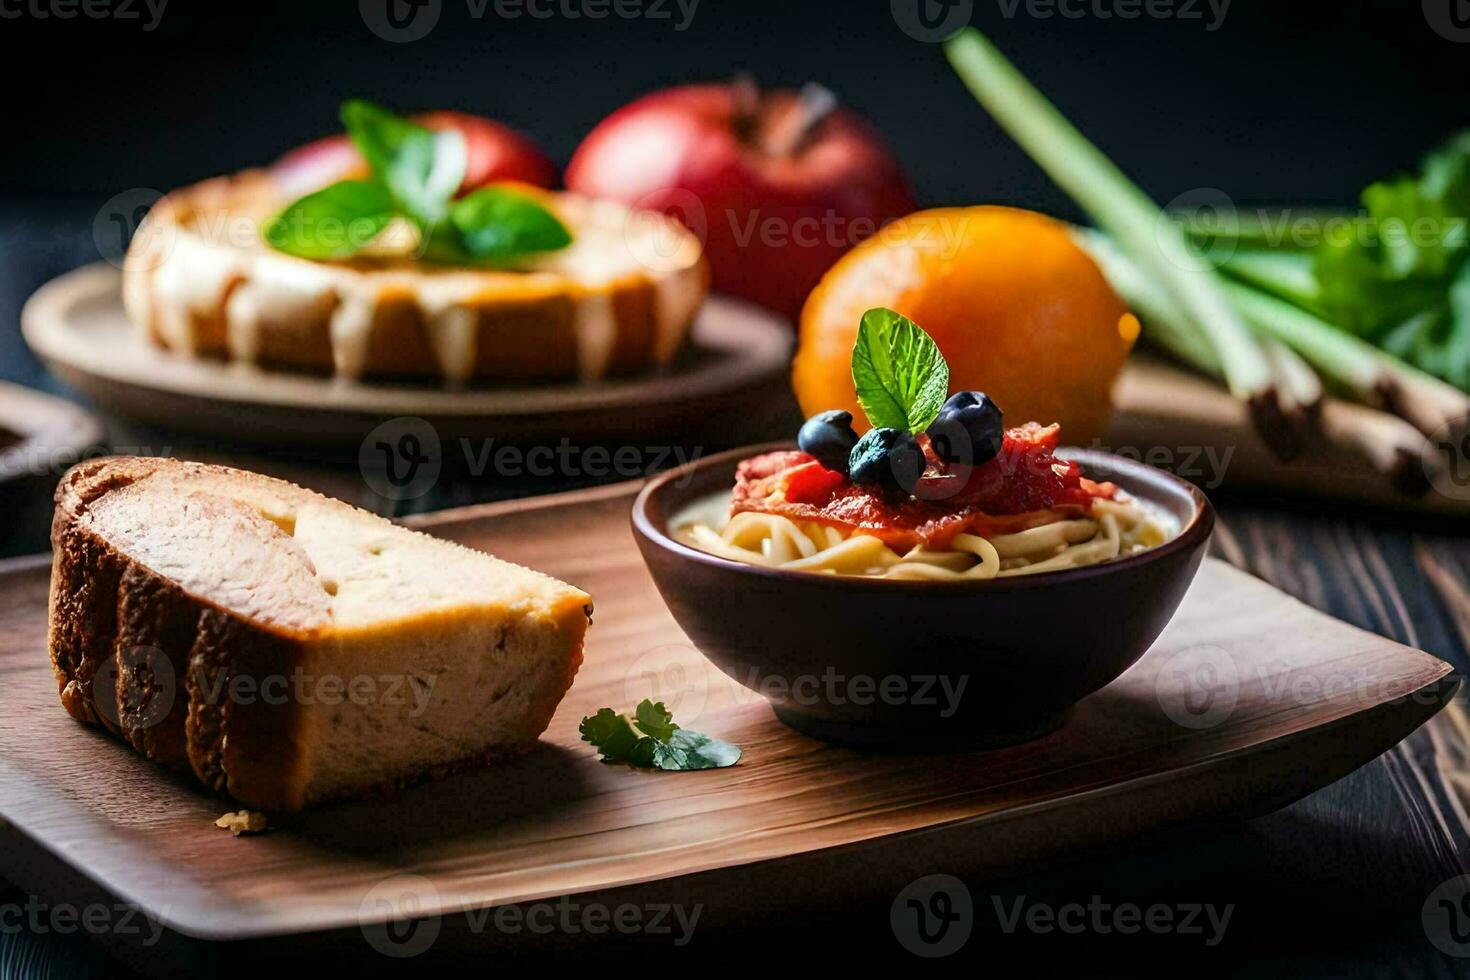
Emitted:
<point x="1019" y="311"/>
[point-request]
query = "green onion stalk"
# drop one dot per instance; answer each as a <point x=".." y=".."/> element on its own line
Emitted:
<point x="1141" y="230"/>
<point x="1389" y="444"/>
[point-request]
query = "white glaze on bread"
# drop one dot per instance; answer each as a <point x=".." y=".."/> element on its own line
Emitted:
<point x="621" y="298"/>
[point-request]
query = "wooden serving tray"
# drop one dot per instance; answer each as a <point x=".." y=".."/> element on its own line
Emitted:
<point x="1249" y="701"/>
<point x="1184" y="422"/>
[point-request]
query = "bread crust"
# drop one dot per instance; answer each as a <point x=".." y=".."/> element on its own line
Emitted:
<point x="196" y="281"/>
<point x="155" y="663"/>
<point x="141" y="657"/>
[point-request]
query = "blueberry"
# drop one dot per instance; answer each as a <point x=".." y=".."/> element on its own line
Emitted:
<point x="889" y="458"/>
<point x="829" y="437"/>
<point x="969" y="429"/>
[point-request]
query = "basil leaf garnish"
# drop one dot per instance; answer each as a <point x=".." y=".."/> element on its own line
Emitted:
<point x="497" y="224"/>
<point x="900" y="375"/>
<point x="421" y="168"/>
<point x="415" y="174"/>
<point x="332" y="223"/>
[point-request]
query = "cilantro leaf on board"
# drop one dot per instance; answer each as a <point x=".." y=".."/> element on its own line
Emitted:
<point x="654" y="720"/>
<point x="692" y="750"/>
<point x="610" y="733"/>
<point x="664" y="745"/>
<point x="901" y="377"/>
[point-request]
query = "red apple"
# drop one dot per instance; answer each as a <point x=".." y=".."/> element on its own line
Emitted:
<point x="778" y="184"/>
<point x="495" y="152"/>
<point x="314" y="165"/>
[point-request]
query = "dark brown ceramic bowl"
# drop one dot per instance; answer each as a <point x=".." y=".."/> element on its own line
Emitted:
<point x="909" y="664"/>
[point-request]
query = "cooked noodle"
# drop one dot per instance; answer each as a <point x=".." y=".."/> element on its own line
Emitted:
<point x="1113" y="529"/>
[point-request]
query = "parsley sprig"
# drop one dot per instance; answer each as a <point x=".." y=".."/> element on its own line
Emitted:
<point x="415" y="173"/>
<point x="662" y="744"/>
<point x="1402" y="278"/>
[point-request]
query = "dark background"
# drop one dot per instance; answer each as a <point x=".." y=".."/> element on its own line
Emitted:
<point x="1286" y="101"/>
<point x="1300" y="102"/>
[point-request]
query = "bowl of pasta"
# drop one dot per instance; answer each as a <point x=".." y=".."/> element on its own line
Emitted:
<point x="871" y="618"/>
<point x="940" y="579"/>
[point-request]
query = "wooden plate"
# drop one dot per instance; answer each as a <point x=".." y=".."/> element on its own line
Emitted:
<point x="77" y="326"/>
<point x="1232" y="714"/>
<point x="40" y="436"/>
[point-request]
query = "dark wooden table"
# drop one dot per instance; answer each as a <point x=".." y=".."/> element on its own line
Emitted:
<point x="1334" y="885"/>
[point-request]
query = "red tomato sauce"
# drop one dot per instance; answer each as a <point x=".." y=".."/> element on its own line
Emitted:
<point x="1025" y="485"/>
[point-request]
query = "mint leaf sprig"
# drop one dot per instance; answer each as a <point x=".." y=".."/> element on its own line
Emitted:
<point x="901" y="377"/>
<point x="420" y="168"/>
<point x="332" y="223"/>
<point x="415" y="173"/>
<point x="662" y="745"/>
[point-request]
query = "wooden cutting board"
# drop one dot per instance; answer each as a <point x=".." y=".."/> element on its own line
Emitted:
<point x="1186" y="423"/>
<point x="1247" y="702"/>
